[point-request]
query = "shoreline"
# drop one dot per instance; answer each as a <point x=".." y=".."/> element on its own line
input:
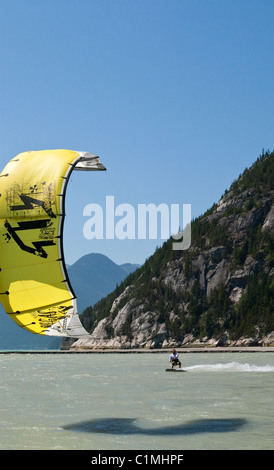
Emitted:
<point x="219" y="349"/>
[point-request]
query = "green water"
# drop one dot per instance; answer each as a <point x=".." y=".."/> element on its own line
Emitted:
<point x="129" y="402"/>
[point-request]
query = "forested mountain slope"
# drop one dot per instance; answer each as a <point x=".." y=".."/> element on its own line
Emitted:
<point x="220" y="291"/>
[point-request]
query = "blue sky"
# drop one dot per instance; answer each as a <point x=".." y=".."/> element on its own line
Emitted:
<point x="176" y="97"/>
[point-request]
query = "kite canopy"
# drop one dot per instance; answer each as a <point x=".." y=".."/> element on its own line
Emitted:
<point x="34" y="287"/>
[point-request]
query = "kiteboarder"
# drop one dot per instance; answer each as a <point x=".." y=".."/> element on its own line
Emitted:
<point x="174" y="359"/>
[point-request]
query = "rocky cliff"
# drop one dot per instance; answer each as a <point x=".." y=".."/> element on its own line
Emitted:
<point x="218" y="292"/>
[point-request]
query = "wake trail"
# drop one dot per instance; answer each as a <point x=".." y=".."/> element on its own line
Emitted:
<point x="230" y="366"/>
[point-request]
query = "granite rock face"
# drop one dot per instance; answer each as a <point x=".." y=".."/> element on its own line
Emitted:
<point x="230" y="245"/>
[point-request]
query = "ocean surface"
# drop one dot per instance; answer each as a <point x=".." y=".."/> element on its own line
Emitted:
<point x="128" y="402"/>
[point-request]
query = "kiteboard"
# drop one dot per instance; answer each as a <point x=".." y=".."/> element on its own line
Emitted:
<point x="175" y="370"/>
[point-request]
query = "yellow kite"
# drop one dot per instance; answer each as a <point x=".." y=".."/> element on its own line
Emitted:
<point x="34" y="287"/>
